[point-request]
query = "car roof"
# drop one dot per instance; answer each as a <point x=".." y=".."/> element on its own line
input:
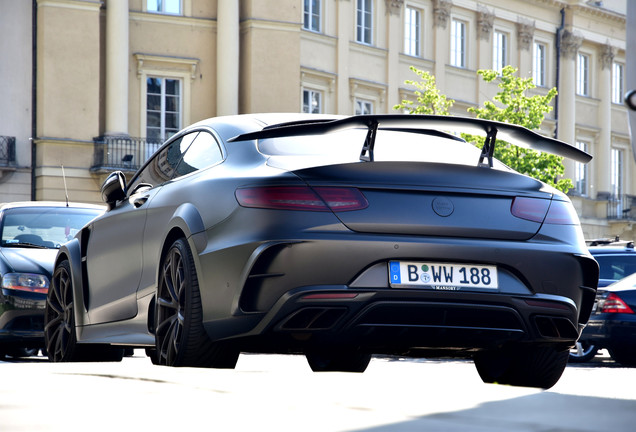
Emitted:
<point x="34" y="204"/>
<point x="606" y="250"/>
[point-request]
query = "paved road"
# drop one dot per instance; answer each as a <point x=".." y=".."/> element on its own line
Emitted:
<point x="280" y="393"/>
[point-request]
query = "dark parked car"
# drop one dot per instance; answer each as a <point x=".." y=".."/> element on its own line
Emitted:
<point x="336" y="237"/>
<point x="613" y="321"/>
<point x="616" y="259"/>
<point x="31" y="233"/>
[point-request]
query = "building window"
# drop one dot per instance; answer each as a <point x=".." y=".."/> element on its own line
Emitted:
<point x="363" y="106"/>
<point x="539" y="64"/>
<point x="311" y="15"/>
<point x="583" y="75"/>
<point x="164" y="6"/>
<point x="580" y="174"/>
<point x="412" y="32"/>
<point x="364" y="21"/>
<point x="499" y="51"/>
<point x="616" y="181"/>
<point x="312" y="101"/>
<point x="458" y="43"/>
<point x="617" y="83"/>
<point x="163" y="108"/>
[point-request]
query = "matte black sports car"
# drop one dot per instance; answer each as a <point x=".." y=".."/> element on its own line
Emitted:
<point x="30" y="235"/>
<point x="613" y="321"/>
<point x="336" y="237"/>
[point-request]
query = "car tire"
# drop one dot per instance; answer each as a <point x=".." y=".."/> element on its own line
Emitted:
<point x="582" y="352"/>
<point x="625" y="355"/>
<point x="539" y="367"/>
<point x="60" y="339"/>
<point x="180" y="338"/>
<point x="341" y="361"/>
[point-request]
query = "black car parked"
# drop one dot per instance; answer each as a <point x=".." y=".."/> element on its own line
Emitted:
<point x="617" y="260"/>
<point x="30" y="235"/>
<point x="612" y="324"/>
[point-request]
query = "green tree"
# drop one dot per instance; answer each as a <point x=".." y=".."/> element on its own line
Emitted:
<point x="510" y="105"/>
<point x="528" y="111"/>
<point x="429" y="99"/>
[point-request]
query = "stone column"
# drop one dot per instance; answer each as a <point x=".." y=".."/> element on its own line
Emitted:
<point x="227" y="57"/>
<point x="441" y="15"/>
<point x="394" y="45"/>
<point x="604" y="148"/>
<point x="485" y="20"/>
<point x="346" y="24"/>
<point x="525" y="35"/>
<point x="117" y="52"/>
<point x="570" y="44"/>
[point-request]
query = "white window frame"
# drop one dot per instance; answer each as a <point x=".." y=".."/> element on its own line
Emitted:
<point x="618" y="82"/>
<point x="311" y="9"/>
<point x="308" y="94"/>
<point x="458" y="43"/>
<point x="160" y="7"/>
<point x="617" y="175"/>
<point x="364" y="21"/>
<point x="539" y="64"/>
<point x="499" y="50"/>
<point x="581" y="176"/>
<point x="413" y="31"/>
<point x="583" y="74"/>
<point x="362" y="106"/>
<point x="163" y="111"/>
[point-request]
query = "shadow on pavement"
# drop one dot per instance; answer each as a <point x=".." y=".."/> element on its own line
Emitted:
<point x="543" y="412"/>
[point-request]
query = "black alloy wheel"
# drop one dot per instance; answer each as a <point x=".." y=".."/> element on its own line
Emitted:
<point x="180" y="338"/>
<point x="539" y="367"/>
<point x="338" y="361"/>
<point x="59" y="318"/>
<point x="60" y="340"/>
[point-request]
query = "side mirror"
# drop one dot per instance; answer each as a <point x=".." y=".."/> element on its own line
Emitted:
<point x="630" y="99"/>
<point x="113" y="189"/>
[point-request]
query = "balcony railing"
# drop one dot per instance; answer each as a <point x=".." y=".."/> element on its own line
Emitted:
<point x="621" y="207"/>
<point x="7" y="151"/>
<point x="122" y="152"/>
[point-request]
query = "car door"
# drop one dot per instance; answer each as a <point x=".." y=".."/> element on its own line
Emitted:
<point x="204" y="152"/>
<point x="115" y="247"/>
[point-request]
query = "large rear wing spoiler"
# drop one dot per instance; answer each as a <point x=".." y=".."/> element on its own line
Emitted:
<point x="432" y="124"/>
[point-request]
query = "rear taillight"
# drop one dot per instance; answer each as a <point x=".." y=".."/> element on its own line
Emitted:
<point x="614" y="304"/>
<point x="302" y="198"/>
<point x="544" y="211"/>
<point x="532" y="209"/>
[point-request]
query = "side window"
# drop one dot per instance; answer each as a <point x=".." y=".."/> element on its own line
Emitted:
<point x="162" y="167"/>
<point x="203" y="152"/>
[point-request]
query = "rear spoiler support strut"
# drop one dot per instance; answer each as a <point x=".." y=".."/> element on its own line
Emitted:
<point x="488" y="150"/>
<point x="366" y="155"/>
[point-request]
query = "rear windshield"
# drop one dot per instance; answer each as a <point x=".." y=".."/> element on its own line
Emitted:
<point x="345" y="146"/>
<point x="616" y="267"/>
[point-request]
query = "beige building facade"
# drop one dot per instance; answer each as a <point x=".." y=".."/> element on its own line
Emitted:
<point x="93" y="86"/>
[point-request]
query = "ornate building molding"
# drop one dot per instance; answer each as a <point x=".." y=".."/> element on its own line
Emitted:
<point x="570" y="44"/>
<point x="485" y="20"/>
<point x="525" y="33"/>
<point x="441" y="12"/>
<point x="394" y="7"/>
<point x="607" y="56"/>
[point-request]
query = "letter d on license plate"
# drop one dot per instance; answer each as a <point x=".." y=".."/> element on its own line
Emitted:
<point x="405" y="274"/>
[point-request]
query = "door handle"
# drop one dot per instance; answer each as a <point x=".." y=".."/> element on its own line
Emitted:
<point x="138" y="202"/>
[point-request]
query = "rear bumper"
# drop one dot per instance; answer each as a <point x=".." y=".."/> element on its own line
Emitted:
<point x="257" y="291"/>
<point x="610" y="330"/>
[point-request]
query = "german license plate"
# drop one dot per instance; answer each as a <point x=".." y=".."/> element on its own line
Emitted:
<point x="442" y="276"/>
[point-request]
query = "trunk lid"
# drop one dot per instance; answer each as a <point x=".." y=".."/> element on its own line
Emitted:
<point x="415" y="198"/>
